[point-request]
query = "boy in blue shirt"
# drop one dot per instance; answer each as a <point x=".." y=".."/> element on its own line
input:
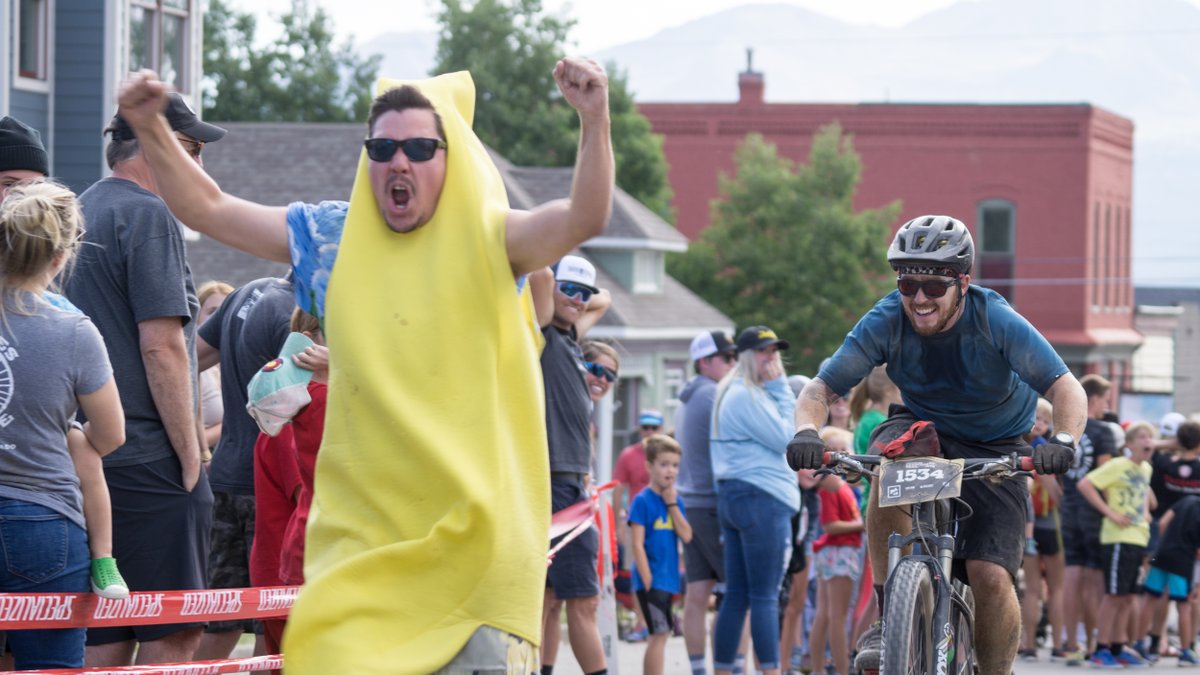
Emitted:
<point x="657" y="521"/>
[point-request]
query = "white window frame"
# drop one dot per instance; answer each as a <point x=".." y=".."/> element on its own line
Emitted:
<point x="647" y="272"/>
<point x="156" y="10"/>
<point x="45" y="29"/>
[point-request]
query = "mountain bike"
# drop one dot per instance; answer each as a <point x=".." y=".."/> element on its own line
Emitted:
<point x="930" y="616"/>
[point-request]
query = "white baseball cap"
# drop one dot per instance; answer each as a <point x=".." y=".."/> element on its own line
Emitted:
<point x="709" y="343"/>
<point x="1169" y="424"/>
<point x="578" y="270"/>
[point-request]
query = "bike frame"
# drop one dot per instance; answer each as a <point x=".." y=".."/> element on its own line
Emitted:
<point x="927" y="535"/>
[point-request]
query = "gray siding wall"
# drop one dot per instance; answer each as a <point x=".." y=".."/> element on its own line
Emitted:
<point x="78" y="92"/>
<point x="32" y="108"/>
<point x="1187" y="360"/>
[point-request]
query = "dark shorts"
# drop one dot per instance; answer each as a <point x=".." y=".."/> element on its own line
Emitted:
<point x="656" y="607"/>
<point x="799" y="560"/>
<point x="1047" y="541"/>
<point x="991" y="516"/>
<point x="229" y="559"/>
<point x="1081" y="537"/>
<point x="572" y="574"/>
<point x="1122" y="564"/>
<point x="703" y="558"/>
<point x="160" y="537"/>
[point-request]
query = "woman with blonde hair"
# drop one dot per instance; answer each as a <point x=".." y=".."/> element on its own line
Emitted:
<point x="757" y="494"/>
<point x="53" y="363"/>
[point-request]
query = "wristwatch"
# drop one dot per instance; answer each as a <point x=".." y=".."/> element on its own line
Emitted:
<point x="1064" y="439"/>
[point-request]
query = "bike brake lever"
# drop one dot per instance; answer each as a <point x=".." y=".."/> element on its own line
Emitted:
<point x="996" y="472"/>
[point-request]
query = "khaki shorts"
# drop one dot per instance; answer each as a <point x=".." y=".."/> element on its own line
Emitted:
<point x="493" y="651"/>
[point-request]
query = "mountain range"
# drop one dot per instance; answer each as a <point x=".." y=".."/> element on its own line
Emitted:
<point x="1132" y="57"/>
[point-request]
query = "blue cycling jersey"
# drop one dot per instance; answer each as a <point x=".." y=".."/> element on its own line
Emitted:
<point x="977" y="381"/>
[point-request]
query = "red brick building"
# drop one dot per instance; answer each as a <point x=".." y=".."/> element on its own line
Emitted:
<point x="1046" y="190"/>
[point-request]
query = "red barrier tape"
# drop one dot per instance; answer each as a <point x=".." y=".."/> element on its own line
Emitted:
<point x="85" y="610"/>
<point x="253" y="663"/>
<point x="574" y="520"/>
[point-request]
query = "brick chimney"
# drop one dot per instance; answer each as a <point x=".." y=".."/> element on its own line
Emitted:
<point x="750" y="84"/>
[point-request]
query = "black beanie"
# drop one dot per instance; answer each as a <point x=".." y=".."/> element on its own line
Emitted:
<point x="21" y="147"/>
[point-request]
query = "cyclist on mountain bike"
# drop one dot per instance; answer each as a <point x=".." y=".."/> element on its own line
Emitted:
<point x="966" y="361"/>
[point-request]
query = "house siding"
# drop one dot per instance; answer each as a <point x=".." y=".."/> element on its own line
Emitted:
<point x="79" y="92"/>
<point x="31" y="107"/>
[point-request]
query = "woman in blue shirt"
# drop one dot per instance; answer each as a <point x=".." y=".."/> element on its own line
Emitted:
<point x="757" y="495"/>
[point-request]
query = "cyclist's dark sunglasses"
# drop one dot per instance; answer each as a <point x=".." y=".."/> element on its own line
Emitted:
<point x="572" y="290"/>
<point x="934" y="288"/>
<point x="600" y="371"/>
<point x="416" y="149"/>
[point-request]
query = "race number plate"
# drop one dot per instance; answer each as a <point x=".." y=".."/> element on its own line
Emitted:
<point x="918" y="479"/>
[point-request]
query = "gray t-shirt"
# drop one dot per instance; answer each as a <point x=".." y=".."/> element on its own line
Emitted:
<point x="568" y="406"/>
<point x="132" y="268"/>
<point x="47" y="360"/>
<point x="693" y="431"/>
<point x="248" y="329"/>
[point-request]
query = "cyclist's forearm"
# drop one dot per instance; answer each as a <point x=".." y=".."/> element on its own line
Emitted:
<point x="812" y="408"/>
<point x="1070" y="405"/>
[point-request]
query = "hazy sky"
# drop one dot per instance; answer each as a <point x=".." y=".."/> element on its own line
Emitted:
<point x="601" y="23"/>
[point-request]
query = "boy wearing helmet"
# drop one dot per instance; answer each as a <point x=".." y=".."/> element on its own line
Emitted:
<point x="966" y="361"/>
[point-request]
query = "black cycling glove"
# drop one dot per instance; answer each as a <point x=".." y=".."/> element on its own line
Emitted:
<point x="806" y="450"/>
<point x="1052" y="458"/>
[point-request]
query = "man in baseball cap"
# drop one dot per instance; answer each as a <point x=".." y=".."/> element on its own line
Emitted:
<point x="22" y="155"/>
<point x="711" y="343"/>
<point x="180" y="117"/>
<point x="713" y="356"/>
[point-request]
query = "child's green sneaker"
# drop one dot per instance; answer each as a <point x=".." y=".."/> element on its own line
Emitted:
<point x="107" y="581"/>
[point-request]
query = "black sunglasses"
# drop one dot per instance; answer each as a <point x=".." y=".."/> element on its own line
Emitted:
<point x="600" y="371"/>
<point x="650" y="427"/>
<point x="933" y="288"/>
<point x="416" y="149"/>
<point x="193" y="148"/>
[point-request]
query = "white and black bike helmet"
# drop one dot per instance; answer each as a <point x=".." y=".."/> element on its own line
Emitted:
<point x="930" y="244"/>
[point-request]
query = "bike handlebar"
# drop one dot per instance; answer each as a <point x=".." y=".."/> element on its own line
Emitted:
<point x="1013" y="461"/>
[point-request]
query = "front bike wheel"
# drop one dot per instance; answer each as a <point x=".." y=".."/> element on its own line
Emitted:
<point x="908" y="624"/>
<point x="962" y="620"/>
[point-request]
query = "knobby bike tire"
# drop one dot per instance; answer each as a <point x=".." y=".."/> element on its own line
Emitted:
<point x="908" y="625"/>
<point x="962" y="618"/>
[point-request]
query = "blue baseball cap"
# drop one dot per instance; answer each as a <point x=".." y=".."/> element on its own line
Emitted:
<point x="649" y="417"/>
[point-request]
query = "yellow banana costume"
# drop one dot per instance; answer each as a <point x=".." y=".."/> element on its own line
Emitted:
<point x="432" y="501"/>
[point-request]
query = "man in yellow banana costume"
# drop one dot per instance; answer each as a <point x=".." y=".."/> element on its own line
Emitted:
<point x="427" y="539"/>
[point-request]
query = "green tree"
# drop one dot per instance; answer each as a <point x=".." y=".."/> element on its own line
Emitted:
<point x="787" y="249"/>
<point x="302" y="77"/>
<point x="510" y="47"/>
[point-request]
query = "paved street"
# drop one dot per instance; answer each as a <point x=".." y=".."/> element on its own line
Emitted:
<point x="677" y="663"/>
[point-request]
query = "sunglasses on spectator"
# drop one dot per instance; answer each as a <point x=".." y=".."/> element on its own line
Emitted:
<point x="600" y="371"/>
<point x="193" y="148"/>
<point x="416" y="149"/>
<point x="650" y="427"/>
<point x="933" y="288"/>
<point x="574" y="290"/>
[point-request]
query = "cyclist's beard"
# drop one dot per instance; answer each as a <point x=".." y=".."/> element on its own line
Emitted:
<point x="933" y="323"/>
